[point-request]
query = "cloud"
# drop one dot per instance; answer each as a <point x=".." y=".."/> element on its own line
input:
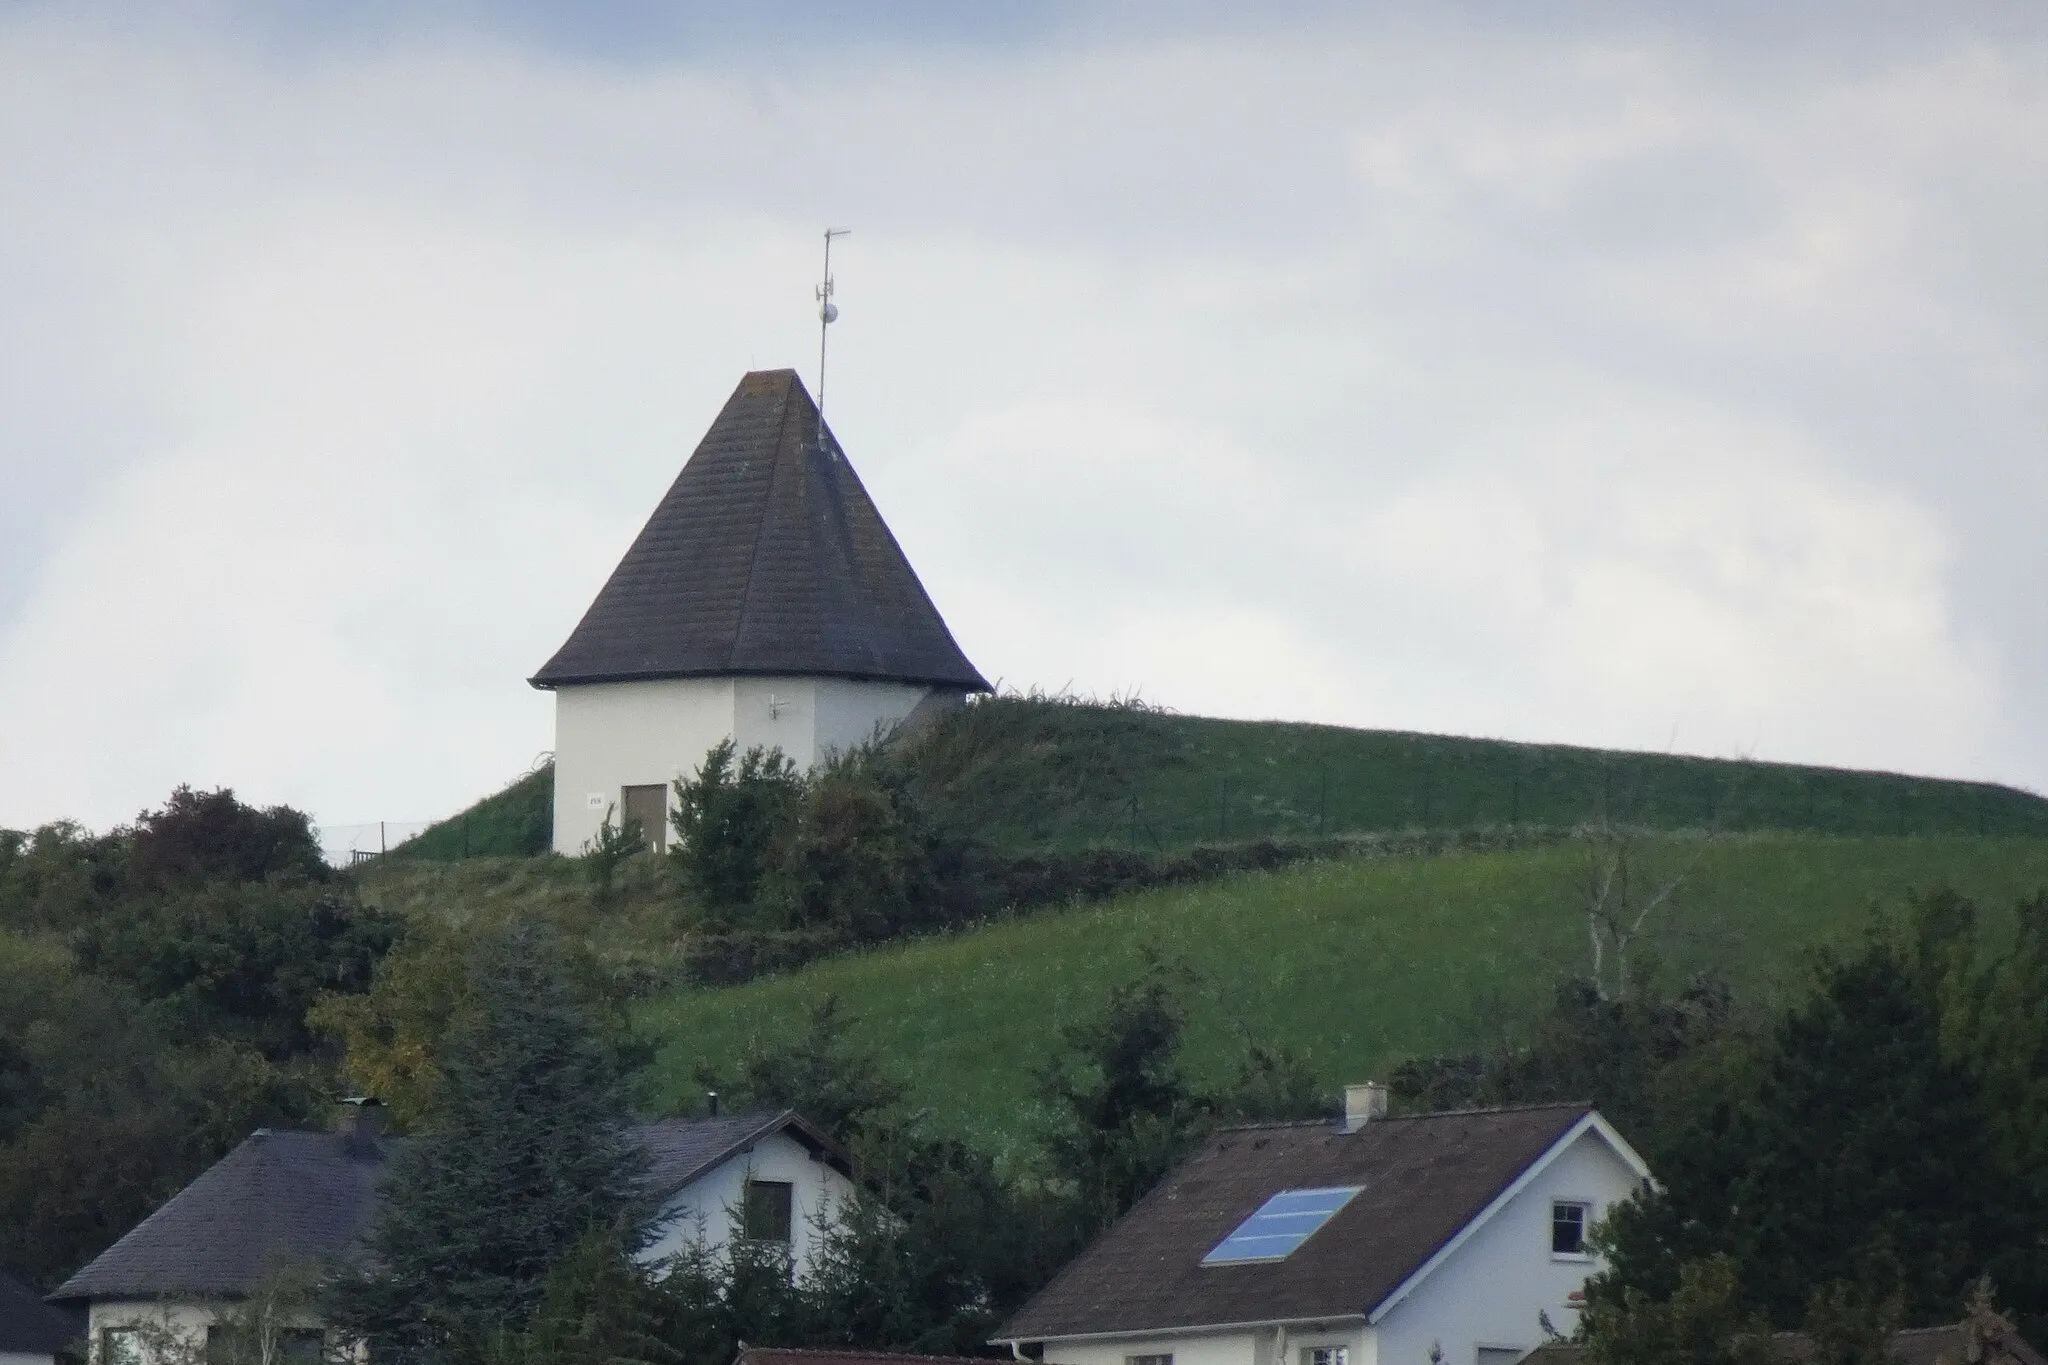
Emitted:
<point x="1578" y="386"/>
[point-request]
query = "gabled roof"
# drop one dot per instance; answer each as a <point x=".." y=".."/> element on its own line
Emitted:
<point x="1424" y="1179"/>
<point x="680" y="1150"/>
<point x="766" y="556"/>
<point x="30" y="1327"/>
<point x="286" y="1198"/>
<point x="279" y="1198"/>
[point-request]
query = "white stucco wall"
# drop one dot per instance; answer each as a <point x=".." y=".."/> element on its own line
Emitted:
<point x="182" y="1323"/>
<point x="24" y="1358"/>
<point x="1489" y="1292"/>
<point x="704" y="1211"/>
<point x="609" y="736"/>
<point x="1228" y="1348"/>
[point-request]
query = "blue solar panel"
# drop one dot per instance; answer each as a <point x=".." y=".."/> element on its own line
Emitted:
<point x="1280" y="1225"/>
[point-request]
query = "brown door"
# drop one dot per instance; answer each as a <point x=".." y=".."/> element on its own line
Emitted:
<point x="648" y="805"/>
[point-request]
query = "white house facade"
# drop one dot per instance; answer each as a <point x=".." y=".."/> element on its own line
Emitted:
<point x="765" y="602"/>
<point x="1380" y="1241"/>
<point x="200" y="1259"/>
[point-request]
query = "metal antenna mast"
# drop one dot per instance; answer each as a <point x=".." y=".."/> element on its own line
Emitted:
<point x="828" y="313"/>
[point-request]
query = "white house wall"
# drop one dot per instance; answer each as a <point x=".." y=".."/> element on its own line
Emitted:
<point x="849" y="711"/>
<point x="1489" y="1292"/>
<point x="609" y="736"/>
<point x="1258" y="1346"/>
<point x="25" y="1358"/>
<point x="1223" y="1348"/>
<point x="704" y="1211"/>
<point x="182" y="1326"/>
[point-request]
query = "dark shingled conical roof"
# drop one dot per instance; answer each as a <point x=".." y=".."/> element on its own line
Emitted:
<point x="765" y="557"/>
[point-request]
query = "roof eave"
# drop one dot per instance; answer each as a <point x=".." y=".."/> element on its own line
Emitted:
<point x="543" y="682"/>
<point x="789" y="1120"/>
<point x="1019" y="1338"/>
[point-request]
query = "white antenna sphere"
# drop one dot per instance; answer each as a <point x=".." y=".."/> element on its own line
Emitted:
<point x="830" y="312"/>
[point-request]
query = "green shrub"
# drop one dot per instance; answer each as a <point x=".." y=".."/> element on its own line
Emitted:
<point x="727" y="821"/>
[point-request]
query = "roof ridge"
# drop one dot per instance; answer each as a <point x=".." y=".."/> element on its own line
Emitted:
<point x="1523" y="1108"/>
<point x="739" y="618"/>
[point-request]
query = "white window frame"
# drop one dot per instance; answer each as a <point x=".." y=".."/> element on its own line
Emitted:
<point x="1339" y="1353"/>
<point x="1585" y="1207"/>
<point x="1150" y="1358"/>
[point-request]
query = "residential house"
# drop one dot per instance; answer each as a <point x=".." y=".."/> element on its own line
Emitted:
<point x="765" y="602"/>
<point x="33" y="1332"/>
<point x="284" y="1201"/>
<point x="1376" y="1240"/>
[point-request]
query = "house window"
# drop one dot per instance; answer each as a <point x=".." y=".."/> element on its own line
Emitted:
<point x="1166" y="1359"/>
<point x="1568" y="1227"/>
<point x="120" y="1346"/>
<point x="766" y="1217"/>
<point x="1325" y="1355"/>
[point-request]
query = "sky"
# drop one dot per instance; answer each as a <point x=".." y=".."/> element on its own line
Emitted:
<point x="1660" y="376"/>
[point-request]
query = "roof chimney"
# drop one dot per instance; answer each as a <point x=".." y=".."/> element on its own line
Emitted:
<point x="361" y="1123"/>
<point x="1363" y="1104"/>
<point x="711" y="1102"/>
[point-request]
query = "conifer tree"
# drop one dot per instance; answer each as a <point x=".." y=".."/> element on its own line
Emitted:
<point x="1864" y="1140"/>
<point x="527" y="1157"/>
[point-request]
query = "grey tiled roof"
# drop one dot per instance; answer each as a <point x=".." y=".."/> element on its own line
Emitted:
<point x="28" y="1326"/>
<point x="680" y="1150"/>
<point x="1423" y="1177"/>
<point x="766" y="556"/>
<point x="286" y="1198"/>
<point x="279" y="1198"/>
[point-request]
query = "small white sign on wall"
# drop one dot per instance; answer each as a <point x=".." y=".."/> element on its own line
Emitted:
<point x="595" y="801"/>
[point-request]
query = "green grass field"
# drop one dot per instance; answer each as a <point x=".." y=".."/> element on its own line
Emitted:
<point x="1025" y="772"/>
<point x="1359" y="963"/>
<point x="1022" y="771"/>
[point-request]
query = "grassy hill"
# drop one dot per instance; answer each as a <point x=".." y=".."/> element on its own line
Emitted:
<point x="1359" y="962"/>
<point x="1030" y="772"/>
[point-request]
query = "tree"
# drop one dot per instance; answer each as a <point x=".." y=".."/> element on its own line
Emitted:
<point x="727" y="821"/>
<point x="210" y="836"/>
<point x="1864" y="1139"/>
<point x="822" y="1073"/>
<point x="1705" y="1320"/>
<point x="527" y="1157"/>
<point x="242" y="960"/>
<point x="1125" y="1111"/>
<point x="854" y="859"/>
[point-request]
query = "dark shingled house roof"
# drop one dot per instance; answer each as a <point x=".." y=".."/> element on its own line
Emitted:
<point x="30" y="1327"/>
<point x="286" y="1197"/>
<point x="1424" y="1178"/>
<point x="766" y="556"/>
